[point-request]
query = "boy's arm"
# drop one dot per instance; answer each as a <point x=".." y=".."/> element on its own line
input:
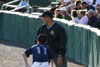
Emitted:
<point x="25" y="60"/>
<point x="51" y="63"/>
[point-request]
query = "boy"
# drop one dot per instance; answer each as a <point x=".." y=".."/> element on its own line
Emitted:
<point x="41" y="53"/>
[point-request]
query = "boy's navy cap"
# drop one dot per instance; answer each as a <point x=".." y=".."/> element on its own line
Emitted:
<point x="42" y="38"/>
<point x="47" y="13"/>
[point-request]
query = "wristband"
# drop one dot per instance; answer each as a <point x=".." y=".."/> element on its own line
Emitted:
<point x="27" y="65"/>
<point x="59" y="55"/>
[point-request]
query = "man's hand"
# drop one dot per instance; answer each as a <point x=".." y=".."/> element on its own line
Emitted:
<point x="60" y="60"/>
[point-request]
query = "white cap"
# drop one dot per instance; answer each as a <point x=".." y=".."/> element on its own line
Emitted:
<point x="90" y="12"/>
<point x="63" y="9"/>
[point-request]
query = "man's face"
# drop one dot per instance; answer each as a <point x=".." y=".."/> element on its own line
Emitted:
<point x="45" y="20"/>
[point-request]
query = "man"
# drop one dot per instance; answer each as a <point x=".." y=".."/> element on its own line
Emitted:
<point x="96" y="3"/>
<point x="22" y="7"/>
<point x="97" y="23"/>
<point x="77" y="5"/>
<point x="42" y="54"/>
<point x="97" y="12"/>
<point x="92" y="17"/>
<point x="2" y="2"/>
<point x="56" y="38"/>
<point x="84" y="6"/>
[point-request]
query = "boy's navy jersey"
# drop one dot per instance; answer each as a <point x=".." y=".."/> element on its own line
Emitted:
<point x="41" y="53"/>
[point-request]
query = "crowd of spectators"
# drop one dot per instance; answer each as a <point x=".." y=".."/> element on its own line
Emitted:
<point x="85" y="12"/>
<point x="22" y="5"/>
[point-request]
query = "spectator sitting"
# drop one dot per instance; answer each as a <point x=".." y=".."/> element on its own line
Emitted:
<point x="92" y="17"/>
<point x="22" y="7"/>
<point x="57" y="13"/>
<point x="97" y="23"/>
<point x="1" y="3"/>
<point x="62" y="13"/>
<point x="84" y="18"/>
<point x="75" y="17"/>
<point x="96" y="3"/>
<point x="22" y="3"/>
<point x="65" y="2"/>
<point x="77" y="5"/>
<point x="86" y="6"/>
<point x="97" y="12"/>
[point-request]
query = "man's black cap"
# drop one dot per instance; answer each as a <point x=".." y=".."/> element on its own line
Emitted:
<point x="47" y="13"/>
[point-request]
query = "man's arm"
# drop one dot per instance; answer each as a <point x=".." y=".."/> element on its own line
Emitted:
<point x="62" y="46"/>
<point x="51" y="63"/>
<point x="62" y="42"/>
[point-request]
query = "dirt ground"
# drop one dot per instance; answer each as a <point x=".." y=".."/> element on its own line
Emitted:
<point x="11" y="54"/>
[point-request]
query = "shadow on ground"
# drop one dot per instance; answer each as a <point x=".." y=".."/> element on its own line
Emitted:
<point x="13" y="43"/>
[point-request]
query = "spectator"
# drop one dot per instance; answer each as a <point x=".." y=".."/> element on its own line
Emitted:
<point x="64" y="13"/>
<point x="77" y="5"/>
<point x="84" y="18"/>
<point x="97" y="3"/>
<point x="75" y="17"/>
<point x="2" y="2"/>
<point x="97" y="12"/>
<point x="57" y="38"/>
<point x="42" y="54"/>
<point x="97" y="23"/>
<point x="57" y="13"/>
<point x="22" y="3"/>
<point x="22" y="7"/>
<point x="65" y="2"/>
<point x="92" y="17"/>
<point x="90" y="2"/>
<point x="85" y="6"/>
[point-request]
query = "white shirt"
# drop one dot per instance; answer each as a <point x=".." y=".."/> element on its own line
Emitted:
<point x="76" y="20"/>
<point x="83" y="20"/>
<point x="67" y="1"/>
<point x="90" y="2"/>
<point x="97" y="2"/>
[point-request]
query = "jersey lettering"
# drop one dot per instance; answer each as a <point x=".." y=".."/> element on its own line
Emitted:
<point x="44" y="50"/>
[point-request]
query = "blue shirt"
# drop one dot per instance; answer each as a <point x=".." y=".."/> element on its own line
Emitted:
<point x="22" y="3"/>
<point x="41" y="53"/>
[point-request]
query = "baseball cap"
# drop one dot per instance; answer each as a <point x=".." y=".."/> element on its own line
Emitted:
<point x="90" y="12"/>
<point x="63" y="9"/>
<point x="42" y="38"/>
<point x="47" y="13"/>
